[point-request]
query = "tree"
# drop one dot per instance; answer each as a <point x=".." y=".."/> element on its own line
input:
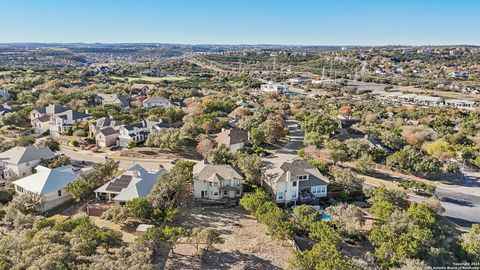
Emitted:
<point x="347" y="179"/>
<point x="323" y="256"/>
<point x="470" y="242"/>
<point x="116" y="214"/>
<point x="440" y="149"/>
<point x="252" y="201"/>
<point x="412" y="264"/>
<point x="304" y="216"/>
<point x="257" y="136"/>
<point x="348" y="218"/>
<point x="206" y="237"/>
<point x="392" y="140"/>
<point x="320" y="123"/>
<point x="167" y="139"/>
<point x="413" y="160"/>
<point x="172" y="235"/>
<point x="313" y="138"/>
<point x="338" y="151"/>
<point x="108" y="238"/>
<point x="273" y="130"/>
<point x="141" y="208"/>
<point x="204" y="146"/>
<point x="220" y="155"/>
<point x="56" y="162"/>
<point x="82" y="188"/>
<point x="356" y="148"/>
<point x="365" y="163"/>
<point x="250" y="165"/>
<point x="21" y="211"/>
<point x="51" y="143"/>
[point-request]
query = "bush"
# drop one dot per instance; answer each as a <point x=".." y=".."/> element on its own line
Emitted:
<point x="74" y="143"/>
<point x="419" y="188"/>
<point x="80" y="133"/>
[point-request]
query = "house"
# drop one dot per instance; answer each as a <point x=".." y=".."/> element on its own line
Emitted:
<point x="106" y="137"/>
<point x="101" y="123"/>
<point x="460" y="103"/>
<point x="347" y="121"/>
<point x="4" y="94"/>
<point x="60" y="119"/>
<point x="19" y="161"/>
<point x="288" y="179"/>
<point x="142" y="87"/>
<point x="5" y="109"/>
<point x="428" y="101"/>
<point x="234" y="138"/>
<point x="274" y="88"/>
<point x="216" y="182"/>
<point x="459" y="74"/>
<point x="41" y="125"/>
<point x="156" y="102"/>
<point x="135" y="182"/>
<point x="137" y="133"/>
<point x="112" y="99"/>
<point x="62" y="122"/>
<point x="49" y="184"/>
<point x="299" y="80"/>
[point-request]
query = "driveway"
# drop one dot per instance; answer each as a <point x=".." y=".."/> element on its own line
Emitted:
<point x="295" y="136"/>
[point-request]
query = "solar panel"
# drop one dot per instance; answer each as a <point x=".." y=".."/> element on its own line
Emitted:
<point x="114" y="187"/>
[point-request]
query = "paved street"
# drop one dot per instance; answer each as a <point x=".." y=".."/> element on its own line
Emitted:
<point x="461" y="202"/>
<point x="124" y="164"/>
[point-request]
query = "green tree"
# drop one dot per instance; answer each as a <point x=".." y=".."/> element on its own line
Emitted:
<point x="51" y="143"/>
<point x="470" y="242"/>
<point x="257" y="136"/>
<point x="347" y="179"/>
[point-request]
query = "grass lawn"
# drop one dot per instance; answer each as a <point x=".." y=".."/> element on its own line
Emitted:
<point x="150" y="79"/>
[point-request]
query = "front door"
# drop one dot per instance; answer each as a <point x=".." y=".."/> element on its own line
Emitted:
<point x="203" y="194"/>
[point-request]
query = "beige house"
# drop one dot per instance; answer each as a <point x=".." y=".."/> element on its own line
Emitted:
<point x="216" y="182"/>
<point x="234" y="138"/>
<point x="106" y="137"/>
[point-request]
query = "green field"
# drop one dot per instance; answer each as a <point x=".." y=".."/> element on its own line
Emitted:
<point x="150" y="79"/>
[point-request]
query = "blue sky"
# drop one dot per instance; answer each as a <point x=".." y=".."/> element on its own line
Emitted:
<point x="302" y="22"/>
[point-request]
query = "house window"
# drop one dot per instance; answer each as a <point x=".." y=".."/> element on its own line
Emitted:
<point x="238" y="192"/>
<point x="59" y="193"/>
<point x="294" y="183"/>
<point x="302" y="177"/>
<point x="20" y="189"/>
<point x="215" y="194"/>
<point x="280" y="195"/>
<point x="225" y="192"/>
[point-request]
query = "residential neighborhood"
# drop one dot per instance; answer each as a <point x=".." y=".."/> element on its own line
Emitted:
<point x="230" y="135"/>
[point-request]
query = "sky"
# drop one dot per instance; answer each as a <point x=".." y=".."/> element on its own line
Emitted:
<point x="289" y="22"/>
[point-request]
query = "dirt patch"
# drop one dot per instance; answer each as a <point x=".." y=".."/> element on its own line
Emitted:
<point x="246" y="243"/>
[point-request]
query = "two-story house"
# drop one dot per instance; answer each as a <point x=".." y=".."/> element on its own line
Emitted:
<point x="137" y="133"/>
<point x="19" y="161"/>
<point x="216" y="182"/>
<point x="234" y="138"/>
<point x="60" y="123"/>
<point x="55" y="118"/>
<point x="287" y="178"/>
<point x="112" y="99"/>
<point x="105" y="130"/>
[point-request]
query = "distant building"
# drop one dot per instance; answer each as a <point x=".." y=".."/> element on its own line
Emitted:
<point x="112" y="99"/>
<point x="459" y="74"/>
<point x="5" y="109"/>
<point x="274" y="88"/>
<point x="156" y="102"/>
<point x="49" y="184"/>
<point x="299" y="80"/>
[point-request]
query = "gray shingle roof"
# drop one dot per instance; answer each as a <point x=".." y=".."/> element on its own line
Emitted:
<point x="18" y="154"/>
<point x="214" y="173"/>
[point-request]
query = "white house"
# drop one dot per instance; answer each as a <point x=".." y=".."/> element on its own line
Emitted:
<point x="135" y="182"/>
<point x="49" y="184"/>
<point x="156" y="102"/>
<point x="19" y="161"/>
<point x="58" y="118"/>
<point x="274" y="88"/>
<point x="4" y="94"/>
<point x="216" y="182"/>
<point x="288" y="178"/>
<point x="138" y="132"/>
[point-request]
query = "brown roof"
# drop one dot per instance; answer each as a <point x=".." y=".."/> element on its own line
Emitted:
<point x="232" y="136"/>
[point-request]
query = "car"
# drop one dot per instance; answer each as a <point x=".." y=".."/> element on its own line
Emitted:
<point x="174" y="161"/>
<point x="114" y="148"/>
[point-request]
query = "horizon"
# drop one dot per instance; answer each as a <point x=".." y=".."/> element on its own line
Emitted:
<point x="367" y="23"/>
